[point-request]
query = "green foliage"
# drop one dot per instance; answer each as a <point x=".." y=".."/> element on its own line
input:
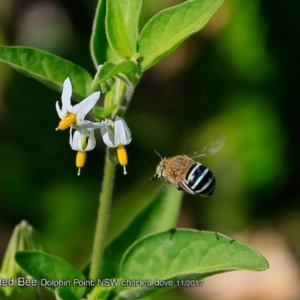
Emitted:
<point x="101" y="112"/>
<point x="181" y="254"/>
<point x="64" y="293"/>
<point x="100" y="49"/>
<point x="169" y="28"/>
<point x="47" y="68"/>
<point x="108" y="70"/>
<point x="122" y="19"/>
<point x="42" y="265"/>
<point x="131" y="12"/>
<point x="116" y="30"/>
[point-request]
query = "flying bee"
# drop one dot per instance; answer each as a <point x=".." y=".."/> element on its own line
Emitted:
<point x="186" y="173"/>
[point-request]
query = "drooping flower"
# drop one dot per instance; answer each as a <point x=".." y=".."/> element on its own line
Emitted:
<point x="117" y="135"/>
<point x="73" y="116"/>
<point x="82" y="143"/>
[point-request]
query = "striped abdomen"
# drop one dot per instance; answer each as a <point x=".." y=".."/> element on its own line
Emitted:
<point x="199" y="180"/>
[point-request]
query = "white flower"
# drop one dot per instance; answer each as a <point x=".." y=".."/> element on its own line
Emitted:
<point x="78" y="141"/>
<point x="82" y="143"/>
<point x="73" y="116"/>
<point x="117" y="135"/>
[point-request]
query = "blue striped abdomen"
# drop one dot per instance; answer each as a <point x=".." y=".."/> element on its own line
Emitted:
<point x="200" y="180"/>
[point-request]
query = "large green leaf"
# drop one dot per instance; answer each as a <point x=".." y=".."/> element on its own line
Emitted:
<point x="47" y="68"/>
<point x="116" y="30"/>
<point x="131" y="10"/>
<point x="161" y="214"/>
<point x="185" y="254"/>
<point x="100" y="48"/>
<point x="44" y="266"/>
<point x="170" y="27"/>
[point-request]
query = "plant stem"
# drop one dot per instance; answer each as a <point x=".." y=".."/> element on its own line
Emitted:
<point x="103" y="217"/>
<point x="107" y="187"/>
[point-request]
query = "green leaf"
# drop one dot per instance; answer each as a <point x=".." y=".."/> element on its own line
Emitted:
<point x="170" y="27"/>
<point x="100" y="48"/>
<point x="109" y="69"/>
<point x="131" y="10"/>
<point x="99" y="41"/>
<point x="183" y="254"/>
<point x="42" y="265"/>
<point x="100" y="292"/>
<point x="64" y="293"/>
<point x="101" y="112"/>
<point x="161" y="214"/>
<point x="116" y="30"/>
<point x="47" y="68"/>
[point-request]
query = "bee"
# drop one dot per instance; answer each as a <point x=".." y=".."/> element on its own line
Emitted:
<point x="186" y="173"/>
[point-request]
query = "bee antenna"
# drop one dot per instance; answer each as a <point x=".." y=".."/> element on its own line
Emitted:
<point x="158" y="154"/>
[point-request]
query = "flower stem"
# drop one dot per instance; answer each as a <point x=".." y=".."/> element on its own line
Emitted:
<point x="103" y="217"/>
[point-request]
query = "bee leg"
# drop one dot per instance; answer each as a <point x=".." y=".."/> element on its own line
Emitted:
<point x="179" y="187"/>
<point x="184" y="187"/>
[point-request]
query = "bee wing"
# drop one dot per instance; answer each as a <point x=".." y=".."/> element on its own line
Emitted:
<point x="211" y="148"/>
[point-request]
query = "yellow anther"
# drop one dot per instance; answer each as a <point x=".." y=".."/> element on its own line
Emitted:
<point x="80" y="160"/>
<point x="67" y="121"/>
<point x="122" y="157"/>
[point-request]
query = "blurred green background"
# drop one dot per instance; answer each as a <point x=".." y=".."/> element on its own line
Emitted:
<point x="237" y="77"/>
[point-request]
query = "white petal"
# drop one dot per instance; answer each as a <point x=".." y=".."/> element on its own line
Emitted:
<point x="66" y="96"/>
<point x="82" y="108"/>
<point x="81" y="129"/>
<point x="60" y="112"/>
<point x="108" y="136"/>
<point x="71" y="137"/>
<point x="91" y="141"/>
<point x="122" y="132"/>
<point x="76" y="141"/>
<point x="92" y="125"/>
